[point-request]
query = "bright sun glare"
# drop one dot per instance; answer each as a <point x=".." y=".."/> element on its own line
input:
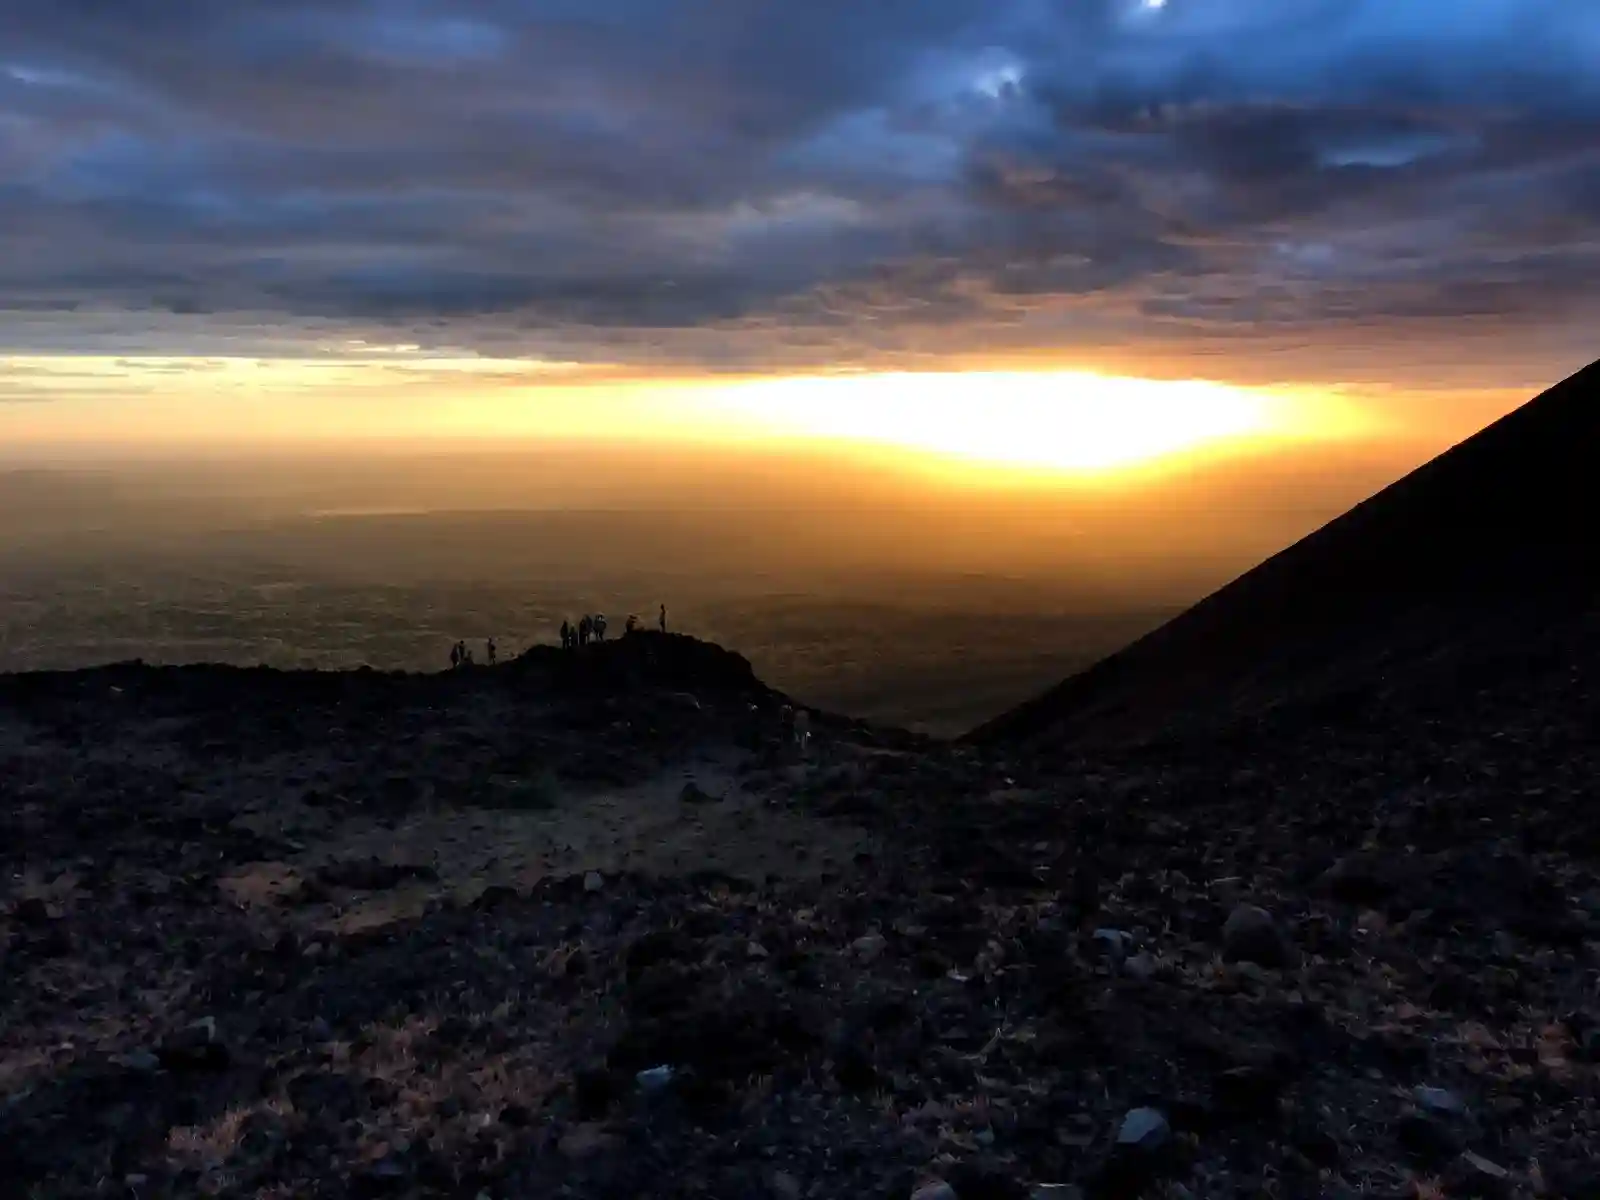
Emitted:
<point x="1063" y="422"/>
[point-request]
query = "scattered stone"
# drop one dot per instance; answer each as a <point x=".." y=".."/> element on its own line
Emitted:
<point x="386" y="1177"/>
<point x="53" y="941"/>
<point x="1143" y="1150"/>
<point x="1144" y="1129"/>
<point x="1113" y="941"/>
<point x="516" y="1116"/>
<point x="1474" y="1176"/>
<point x="1362" y="878"/>
<point x="985" y="1181"/>
<point x="969" y="1034"/>
<point x="1249" y="1092"/>
<point x="1588" y="1045"/>
<point x="32" y="912"/>
<point x="195" y="1048"/>
<point x="693" y="793"/>
<point x="1312" y="1139"/>
<point x="1251" y="935"/>
<point x="1440" y="1100"/>
<point x="1428" y="1138"/>
<point x="587" y="1141"/>
<point x="869" y="947"/>
<point x="494" y="896"/>
<point x="142" y="1062"/>
<point x="654" y="1079"/>
<point x="1141" y="966"/>
<point x="595" y="1090"/>
<point x="853" y="1069"/>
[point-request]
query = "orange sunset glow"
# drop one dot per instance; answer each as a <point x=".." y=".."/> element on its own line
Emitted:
<point x="1026" y="424"/>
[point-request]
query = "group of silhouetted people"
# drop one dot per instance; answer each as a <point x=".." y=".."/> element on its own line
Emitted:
<point x="460" y="656"/>
<point x="593" y="629"/>
<point x="587" y="629"/>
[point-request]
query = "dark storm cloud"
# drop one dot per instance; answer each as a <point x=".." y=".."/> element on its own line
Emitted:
<point x="761" y="181"/>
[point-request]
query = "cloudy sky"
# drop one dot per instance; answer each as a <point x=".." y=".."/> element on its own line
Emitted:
<point x="1309" y="192"/>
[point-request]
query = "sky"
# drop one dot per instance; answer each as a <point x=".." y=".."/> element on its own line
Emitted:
<point x="1061" y="234"/>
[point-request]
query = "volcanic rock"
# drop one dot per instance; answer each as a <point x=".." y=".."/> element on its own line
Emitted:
<point x="1251" y="934"/>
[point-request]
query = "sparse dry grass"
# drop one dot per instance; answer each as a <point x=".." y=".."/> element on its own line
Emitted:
<point x="207" y="1147"/>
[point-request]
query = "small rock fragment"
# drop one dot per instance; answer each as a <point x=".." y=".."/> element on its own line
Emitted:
<point x="1588" y="1046"/>
<point x="1427" y="1138"/>
<point x="870" y="946"/>
<point x="785" y="1186"/>
<point x="1141" y="966"/>
<point x="516" y="1116"/>
<point x="33" y="912"/>
<point x="934" y="1189"/>
<point x="1144" y="1129"/>
<point x="693" y="793"/>
<point x="985" y="1180"/>
<point x="1440" y="1100"/>
<point x="1476" y="1176"/>
<point x="593" y="881"/>
<point x="586" y="1141"/>
<point x="385" y="1177"/>
<point x="1361" y="878"/>
<point x="654" y="1079"/>
<point x="1318" y="1145"/>
<point x="1251" y="935"/>
<point x="1249" y="1091"/>
<point x="141" y="1061"/>
<point x="595" y="1091"/>
<point x="195" y="1048"/>
<point x="1114" y="941"/>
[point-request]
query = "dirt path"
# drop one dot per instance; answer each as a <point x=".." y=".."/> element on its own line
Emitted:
<point x="649" y="829"/>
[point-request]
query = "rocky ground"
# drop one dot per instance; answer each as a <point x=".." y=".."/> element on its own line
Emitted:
<point x="587" y="926"/>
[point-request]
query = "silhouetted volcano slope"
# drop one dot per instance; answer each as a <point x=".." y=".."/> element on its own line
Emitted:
<point x="1491" y="544"/>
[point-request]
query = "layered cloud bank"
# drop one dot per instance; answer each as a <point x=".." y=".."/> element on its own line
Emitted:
<point x="1252" y="190"/>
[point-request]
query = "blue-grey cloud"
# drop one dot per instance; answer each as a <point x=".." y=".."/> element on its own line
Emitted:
<point x="749" y="182"/>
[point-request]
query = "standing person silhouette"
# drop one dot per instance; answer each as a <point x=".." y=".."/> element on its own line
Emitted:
<point x="489" y="651"/>
<point x="663" y="618"/>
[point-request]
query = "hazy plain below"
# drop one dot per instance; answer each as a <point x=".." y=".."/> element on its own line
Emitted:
<point x="856" y="589"/>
